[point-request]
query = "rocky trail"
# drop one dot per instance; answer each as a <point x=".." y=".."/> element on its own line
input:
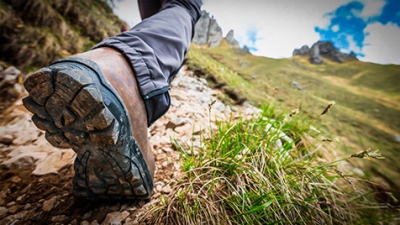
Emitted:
<point x="36" y="178"/>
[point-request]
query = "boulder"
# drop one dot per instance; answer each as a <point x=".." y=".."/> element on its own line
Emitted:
<point x="324" y="49"/>
<point x="302" y="51"/>
<point x="315" y="57"/>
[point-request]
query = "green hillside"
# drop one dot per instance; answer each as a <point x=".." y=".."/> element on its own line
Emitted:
<point x="36" y="32"/>
<point x="367" y="96"/>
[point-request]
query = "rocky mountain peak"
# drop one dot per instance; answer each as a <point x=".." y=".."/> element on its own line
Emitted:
<point x="324" y="49"/>
<point x="208" y="32"/>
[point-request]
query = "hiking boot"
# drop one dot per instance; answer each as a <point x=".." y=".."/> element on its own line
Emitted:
<point x="91" y="103"/>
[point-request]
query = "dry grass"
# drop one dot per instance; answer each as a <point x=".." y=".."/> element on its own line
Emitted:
<point x="264" y="171"/>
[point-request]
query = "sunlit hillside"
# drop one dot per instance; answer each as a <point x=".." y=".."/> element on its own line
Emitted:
<point x="367" y="96"/>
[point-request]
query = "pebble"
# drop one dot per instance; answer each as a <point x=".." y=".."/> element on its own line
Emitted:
<point x="6" y="139"/>
<point x="10" y="204"/>
<point x="3" y="211"/>
<point x="87" y="215"/>
<point x="85" y="223"/>
<point x="27" y="206"/>
<point x="166" y="190"/>
<point x="115" y="218"/>
<point x="49" y="204"/>
<point x="13" y="209"/>
<point x="58" y="218"/>
<point x="19" y="199"/>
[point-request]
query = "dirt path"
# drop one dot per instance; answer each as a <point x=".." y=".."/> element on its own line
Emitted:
<point x="35" y="178"/>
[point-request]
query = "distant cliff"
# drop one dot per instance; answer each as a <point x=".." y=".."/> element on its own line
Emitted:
<point x="324" y="49"/>
<point x="208" y="32"/>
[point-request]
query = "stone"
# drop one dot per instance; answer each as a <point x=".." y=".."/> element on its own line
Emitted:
<point x="160" y="157"/>
<point x="59" y="218"/>
<point x="315" y="57"/>
<point x="11" y="203"/>
<point x="359" y="172"/>
<point x="302" y="51"/>
<point x="166" y="190"/>
<point x="49" y="204"/>
<point x="54" y="162"/>
<point x="185" y="130"/>
<point x="27" y="206"/>
<point x="6" y="139"/>
<point x="132" y="222"/>
<point x="16" y="179"/>
<point x="3" y="211"/>
<point x="13" y="209"/>
<point x="12" y="219"/>
<point x="158" y="141"/>
<point x="94" y="222"/>
<point x="19" y="199"/>
<point x="115" y="218"/>
<point x="9" y="76"/>
<point x="175" y="122"/>
<point x="85" y="222"/>
<point x="296" y="85"/>
<point x="159" y="188"/>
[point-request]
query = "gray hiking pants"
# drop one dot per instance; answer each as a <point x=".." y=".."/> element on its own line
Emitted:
<point x="156" y="47"/>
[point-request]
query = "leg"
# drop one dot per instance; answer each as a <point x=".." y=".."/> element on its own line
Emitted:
<point x="155" y="48"/>
<point x="100" y="102"/>
<point x="148" y="8"/>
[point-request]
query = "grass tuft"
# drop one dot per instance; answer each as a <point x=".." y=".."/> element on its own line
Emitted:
<point x="263" y="171"/>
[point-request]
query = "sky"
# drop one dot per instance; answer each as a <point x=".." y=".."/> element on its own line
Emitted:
<point x="274" y="28"/>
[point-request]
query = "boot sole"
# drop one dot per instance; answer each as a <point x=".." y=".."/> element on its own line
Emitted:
<point x="76" y="106"/>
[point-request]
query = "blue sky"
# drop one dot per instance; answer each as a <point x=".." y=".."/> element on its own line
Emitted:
<point x="348" y="26"/>
<point x="272" y="28"/>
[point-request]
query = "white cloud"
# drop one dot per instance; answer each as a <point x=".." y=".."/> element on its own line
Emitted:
<point x="335" y="28"/>
<point x="372" y="8"/>
<point x="282" y="25"/>
<point x="352" y="45"/>
<point x="288" y="24"/>
<point x="382" y="44"/>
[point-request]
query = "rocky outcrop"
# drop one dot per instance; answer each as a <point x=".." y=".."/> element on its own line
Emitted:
<point x="302" y="51"/>
<point x="324" y="49"/>
<point x="208" y="32"/>
<point x="315" y="56"/>
<point x="230" y="38"/>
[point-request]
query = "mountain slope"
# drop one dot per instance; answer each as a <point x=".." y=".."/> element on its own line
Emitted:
<point x="367" y="110"/>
